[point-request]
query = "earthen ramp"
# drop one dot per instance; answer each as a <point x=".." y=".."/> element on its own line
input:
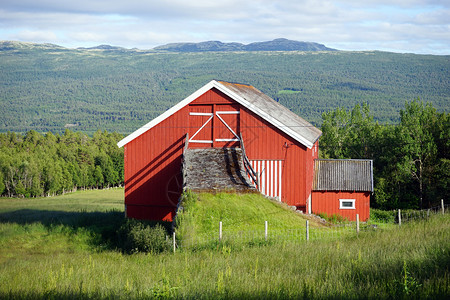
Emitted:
<point x="216" y="170"/>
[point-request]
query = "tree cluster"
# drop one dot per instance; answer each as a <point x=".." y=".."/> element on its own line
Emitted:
<point x="411" y="159"/>
<point x="33" y="164"/>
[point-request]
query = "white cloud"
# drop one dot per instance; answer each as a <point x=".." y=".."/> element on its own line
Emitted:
<point x="40" y="36"/>
<point x="397" y="25"/>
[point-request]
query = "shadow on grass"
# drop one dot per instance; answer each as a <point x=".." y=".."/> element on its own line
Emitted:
<point x="102" y="227"/>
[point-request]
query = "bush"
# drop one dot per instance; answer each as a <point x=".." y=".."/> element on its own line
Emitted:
<point x="143" y="236"/>
<point x="334" y="218"/>
<point x="384" y="216"/>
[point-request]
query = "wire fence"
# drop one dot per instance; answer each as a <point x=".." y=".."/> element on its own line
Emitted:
<point x="404" y="216"/>
<point x="272" y="236"/>
<point x="268" y="235"/>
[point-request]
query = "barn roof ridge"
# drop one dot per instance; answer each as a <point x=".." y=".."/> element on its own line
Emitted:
<point x="254" y="100"/>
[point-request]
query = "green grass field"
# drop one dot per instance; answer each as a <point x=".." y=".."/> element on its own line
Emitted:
<point x="59" y="248"/>
<point x="243" y="219"/>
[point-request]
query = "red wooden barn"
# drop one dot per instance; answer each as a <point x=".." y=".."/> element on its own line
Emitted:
<point x="342" y="187"/>
<point x="280" y="145"/>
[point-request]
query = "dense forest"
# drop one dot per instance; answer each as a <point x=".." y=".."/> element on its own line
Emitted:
<point x="50" y="88"/>
<point x="48" y="164"/>
<point x="411" y="159"/>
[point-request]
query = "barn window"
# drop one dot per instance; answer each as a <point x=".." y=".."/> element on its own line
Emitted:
<point x="346" y="203"/>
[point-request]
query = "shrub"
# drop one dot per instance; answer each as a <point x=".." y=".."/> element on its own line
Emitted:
<point x="334" y="218"/>
<point x="143" y="236"/>
<point x="384" y="216"/>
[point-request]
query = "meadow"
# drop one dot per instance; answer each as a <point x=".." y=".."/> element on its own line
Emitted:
<point x="62" y="248"/>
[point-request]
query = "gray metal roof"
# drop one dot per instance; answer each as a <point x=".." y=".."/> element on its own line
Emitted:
<point x="285" y="117"/>
<point x="343" y="175"/>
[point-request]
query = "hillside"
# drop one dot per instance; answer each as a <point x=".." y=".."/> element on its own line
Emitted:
<point x="46" y="87"/>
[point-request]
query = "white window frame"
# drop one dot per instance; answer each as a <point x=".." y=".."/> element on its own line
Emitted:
<point x="341" y="201"/>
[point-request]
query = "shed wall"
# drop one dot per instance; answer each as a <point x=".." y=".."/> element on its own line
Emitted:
<point x="328" y="202"/>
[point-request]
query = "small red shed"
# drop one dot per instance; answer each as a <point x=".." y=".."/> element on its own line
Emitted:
<point x="280" y="145"/>
<point x="342" y="187"/>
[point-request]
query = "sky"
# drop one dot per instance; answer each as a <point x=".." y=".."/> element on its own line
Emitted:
<point x="404" y="26"/>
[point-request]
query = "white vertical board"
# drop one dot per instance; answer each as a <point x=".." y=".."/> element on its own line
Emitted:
<point x="270" y="176"/>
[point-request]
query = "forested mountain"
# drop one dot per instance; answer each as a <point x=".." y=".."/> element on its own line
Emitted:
<point x="51" y="88"/>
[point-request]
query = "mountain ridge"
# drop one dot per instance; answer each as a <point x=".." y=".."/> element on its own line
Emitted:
<point x="280" y="44"/>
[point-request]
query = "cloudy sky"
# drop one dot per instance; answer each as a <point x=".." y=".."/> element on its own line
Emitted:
<point x="418" y="26"/>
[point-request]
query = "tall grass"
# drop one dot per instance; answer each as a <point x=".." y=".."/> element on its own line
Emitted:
<point x="57" y="260"/>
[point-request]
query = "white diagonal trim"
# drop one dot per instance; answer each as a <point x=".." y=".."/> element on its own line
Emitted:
<point x="225" y="123"/>
<point x="207" y="121"/>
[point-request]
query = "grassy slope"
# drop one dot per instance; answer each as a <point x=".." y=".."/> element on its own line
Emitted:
<point x="238" y="212"/>
<point x="54" y="259"/>
<point x="90" y="201"/>
<point x="59" y="225"/>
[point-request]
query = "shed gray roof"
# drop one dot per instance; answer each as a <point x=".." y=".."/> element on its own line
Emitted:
<point x="254" y="100"/>
<point x="343" y="175"/>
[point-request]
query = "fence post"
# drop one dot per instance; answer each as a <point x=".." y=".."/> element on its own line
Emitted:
<point x="307" y="230"/>
<point x="174" y="242"/>
<point x="399" y="218"/>
<point x="442" y="204"/>
<point x="265" y="230"/>
<point x="220" y="231"/>
<point x="357" y="223"/>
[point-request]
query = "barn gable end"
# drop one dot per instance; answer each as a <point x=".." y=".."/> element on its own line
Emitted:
<point x="252" y="99"/>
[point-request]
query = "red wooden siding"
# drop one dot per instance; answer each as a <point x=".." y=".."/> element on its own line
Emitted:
<point x="328" y="202"/>
<point x="152" y="174"/>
